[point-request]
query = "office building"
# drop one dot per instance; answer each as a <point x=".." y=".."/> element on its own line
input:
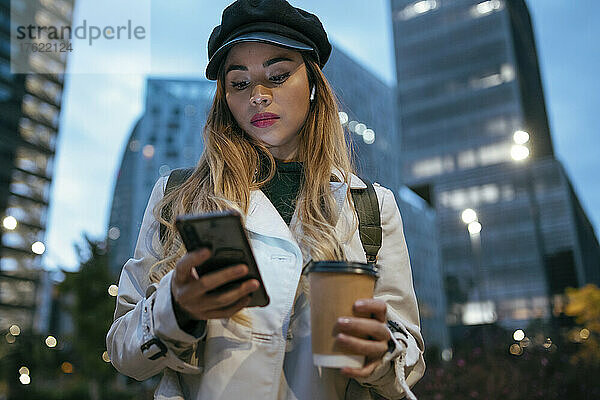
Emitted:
<point x="366" y="100"/>
<point x="167" y="136"/>
<point x="30" y="105"/>
<point x="475" y="135"/>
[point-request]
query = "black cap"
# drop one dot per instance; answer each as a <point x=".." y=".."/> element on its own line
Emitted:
<point x="268" y="21"/>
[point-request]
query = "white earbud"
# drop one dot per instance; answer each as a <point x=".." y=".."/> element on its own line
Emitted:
<point x="312" y="94"/>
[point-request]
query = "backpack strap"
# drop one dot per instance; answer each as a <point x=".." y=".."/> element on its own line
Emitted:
<point x="365" y="202"/>
<point x="176" y="179"/>
<point x="369" y="219"/>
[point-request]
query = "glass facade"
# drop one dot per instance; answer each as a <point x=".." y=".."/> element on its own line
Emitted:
<point x="366" y="100"/>
<point x="468" y="80"/>
<point x="166" y="137"/>
<point x="30" y="107"/>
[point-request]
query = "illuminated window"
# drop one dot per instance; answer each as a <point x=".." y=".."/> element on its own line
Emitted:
<point x="62" y="7"/>
<point x="32" y="161"/>
<point x="495" y="153"/>
<point x="486" y="7"/>
<point x="45" y="65"/>
<point x="459" y="199"/>
<point x="37" y="109"/>
<point x="490" y="193"/>
<point x="43" y="87"/>
<point x="429" y="167"/>
<point x="418" y="8"/>
<point x="36" y="133"/>
<point x="433" y="166"/>
<point x="505" y="74"/>
<point x="467" y="159"/>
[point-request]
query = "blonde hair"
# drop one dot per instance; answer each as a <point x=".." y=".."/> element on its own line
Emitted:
<point x="226" y="174"/>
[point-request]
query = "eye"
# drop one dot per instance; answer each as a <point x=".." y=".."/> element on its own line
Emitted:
<point x="280" y="78"/>
<point x="241" y="85"/>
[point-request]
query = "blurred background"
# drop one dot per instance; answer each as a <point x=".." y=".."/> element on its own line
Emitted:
<point x="479" y="115"/>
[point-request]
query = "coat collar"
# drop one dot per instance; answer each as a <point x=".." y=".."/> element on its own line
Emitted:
<point x="355" y="181"/>
<point x="263" y="218"/>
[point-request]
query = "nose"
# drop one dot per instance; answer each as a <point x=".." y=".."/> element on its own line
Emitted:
<point x="261" y="96"/>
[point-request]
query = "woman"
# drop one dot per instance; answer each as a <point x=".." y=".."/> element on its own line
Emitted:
<point x="273" y="145"/>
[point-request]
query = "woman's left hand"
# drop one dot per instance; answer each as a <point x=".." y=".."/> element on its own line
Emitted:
<point x="365" y="333"/>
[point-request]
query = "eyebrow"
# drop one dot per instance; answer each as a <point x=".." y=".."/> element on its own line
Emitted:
<point x="265" y="64"/>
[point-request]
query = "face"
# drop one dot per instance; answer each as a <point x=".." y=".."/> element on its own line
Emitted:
<point x="267" y="91"/>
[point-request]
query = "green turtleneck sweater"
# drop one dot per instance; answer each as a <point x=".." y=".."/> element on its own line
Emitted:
<point x="284" y="187"/>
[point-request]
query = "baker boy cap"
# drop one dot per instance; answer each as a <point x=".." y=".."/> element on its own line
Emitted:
<point x="267" y="21"/>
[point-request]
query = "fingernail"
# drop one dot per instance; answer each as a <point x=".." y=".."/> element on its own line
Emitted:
<point x="344" y="320"/>
<point x="360" y="303"/>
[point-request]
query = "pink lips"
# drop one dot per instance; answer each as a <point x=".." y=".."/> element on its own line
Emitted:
<point x="262" y="120"/>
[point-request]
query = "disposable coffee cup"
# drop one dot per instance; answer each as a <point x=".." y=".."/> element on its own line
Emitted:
<point x="334" y="287"/>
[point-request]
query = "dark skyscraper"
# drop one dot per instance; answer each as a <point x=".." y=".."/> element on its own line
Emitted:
<point x="475" y="135"/>
<point x="30" y="105"/>
<point x="167" y="136"/>
<point x="367" y="113"/>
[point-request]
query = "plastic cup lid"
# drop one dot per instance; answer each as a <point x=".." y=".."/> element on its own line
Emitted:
<point x="350" y="267"/>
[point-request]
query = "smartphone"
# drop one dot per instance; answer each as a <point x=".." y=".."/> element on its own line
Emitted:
<point x="222" y="232"/>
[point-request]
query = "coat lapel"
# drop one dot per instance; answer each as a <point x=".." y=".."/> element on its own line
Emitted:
<point x="263" y="218"/>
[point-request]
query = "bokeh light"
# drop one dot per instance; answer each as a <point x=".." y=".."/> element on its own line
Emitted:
<point x="474" y="228"/>
<point x="9" y="222"/>
<point x="38" y="247"/>
<point x="51" y="341"/>
<point x="519" y="152"/>
<point x="113" y="290"/>
<point x="114" y="233"/>
<point x="521" y="137"/>
<point x="66" y="367"/>
<point x="14" y="330"/>
<point x="368" y="136"/>
<point x="519" y="335"/>
<point x="148" y="151"/>
<point x="515" y="349"/>
<point x="343" y="118"/>
<point x="360" y="129"/>
<point x="469" y="215"/>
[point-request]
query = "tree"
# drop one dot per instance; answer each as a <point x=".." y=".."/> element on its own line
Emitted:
<point x="584" y="304"/>
<point x="91" y="310"/>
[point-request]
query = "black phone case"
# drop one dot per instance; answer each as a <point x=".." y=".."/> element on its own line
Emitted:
<point x="223" y="233"/>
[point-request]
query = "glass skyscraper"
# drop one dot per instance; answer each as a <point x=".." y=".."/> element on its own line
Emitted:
<point x="367" y="109"/>
<point x="166" y="137"/>
<point x="30" y="105"/>
<point x="475" y="135"/>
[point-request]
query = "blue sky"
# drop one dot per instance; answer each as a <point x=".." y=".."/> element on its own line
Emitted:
<point x="99" y="109"/>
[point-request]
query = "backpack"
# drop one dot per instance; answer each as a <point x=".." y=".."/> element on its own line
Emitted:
<point x="365" y="202"/>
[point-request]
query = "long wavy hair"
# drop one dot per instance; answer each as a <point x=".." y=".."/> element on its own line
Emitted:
<point x="226" y="173"/>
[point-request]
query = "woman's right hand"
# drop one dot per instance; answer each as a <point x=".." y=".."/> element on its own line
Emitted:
<point x="190" y="291"/>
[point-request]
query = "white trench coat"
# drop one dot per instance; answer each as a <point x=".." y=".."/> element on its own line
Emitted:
<point x="273" y="359"/>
